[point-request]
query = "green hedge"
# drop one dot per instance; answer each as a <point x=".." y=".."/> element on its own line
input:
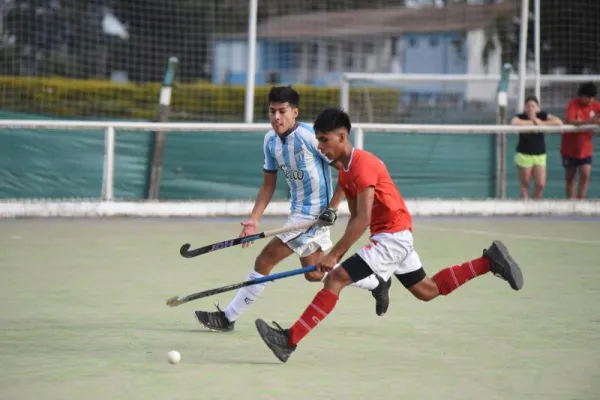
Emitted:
<point x="192" y="101"/>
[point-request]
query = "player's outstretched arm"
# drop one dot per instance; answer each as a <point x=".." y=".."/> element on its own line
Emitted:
<point x="265" y="194"/>
<point x="358" y="224"/>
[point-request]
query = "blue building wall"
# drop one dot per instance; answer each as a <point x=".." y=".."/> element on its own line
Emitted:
<point x="439" y="53"/>
<point x="230" y="57"/>
<point x="435" y="53"/>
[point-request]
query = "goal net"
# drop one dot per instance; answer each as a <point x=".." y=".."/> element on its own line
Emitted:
<point x="386" y="61"/>
<point x="107" y="58"/>
<point x="568" y="32"/>
<point x="458" y="83"/>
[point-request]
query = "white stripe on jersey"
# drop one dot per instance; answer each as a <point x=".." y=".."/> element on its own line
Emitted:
<point x="312" y="164"/>
<point x="278" y="152"/>
<point x="306" y="170"/>
<point x="297" y="185"/>
<point x="315" y="195"/>
<point x="321" y="189"/>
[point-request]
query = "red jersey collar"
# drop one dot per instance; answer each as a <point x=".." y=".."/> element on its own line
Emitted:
<point x="349" y="162"/>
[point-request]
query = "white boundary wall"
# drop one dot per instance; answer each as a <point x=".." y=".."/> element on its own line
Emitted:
<point x="167" y="209"/>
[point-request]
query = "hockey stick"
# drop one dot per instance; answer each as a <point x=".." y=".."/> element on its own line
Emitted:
<point x="176" y="301"/>
<point x="187" y="253"/>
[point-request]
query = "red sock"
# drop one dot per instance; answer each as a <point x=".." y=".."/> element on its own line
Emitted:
<point x="449" y="279"/>
<point x="321" y="306"/>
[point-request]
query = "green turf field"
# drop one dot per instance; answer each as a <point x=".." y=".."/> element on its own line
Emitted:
<point x="83" y="315"/>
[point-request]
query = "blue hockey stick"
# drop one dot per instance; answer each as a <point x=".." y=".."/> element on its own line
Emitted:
<point x="178" y="300"/>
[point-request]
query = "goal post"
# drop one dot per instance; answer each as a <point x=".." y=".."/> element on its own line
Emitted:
<point x="473" y="83"/>
<point x="501" y="119"/>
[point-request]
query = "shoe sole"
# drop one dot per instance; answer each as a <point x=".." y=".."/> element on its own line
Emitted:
<point x="516" y="275"/>
<point x="263" y="328"/>
<point x="210" y="327"/>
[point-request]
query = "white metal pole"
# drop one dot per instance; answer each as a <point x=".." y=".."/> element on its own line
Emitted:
<point x="359" y="138"/>
<point x="523" y="51"/>
<point x="537" y="49"/>
<point x="345" y="94"/>
<point x="249" y="106"/>
<point x="109" y="164"/>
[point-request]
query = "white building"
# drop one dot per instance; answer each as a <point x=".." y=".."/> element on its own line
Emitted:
<point x="316" y="48"/>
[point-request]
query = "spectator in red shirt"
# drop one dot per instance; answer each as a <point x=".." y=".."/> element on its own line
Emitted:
<point x="576" y="147"/>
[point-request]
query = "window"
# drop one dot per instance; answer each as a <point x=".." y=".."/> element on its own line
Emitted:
<point x="313" y="56"/>
<point x="297" y="56"/>
<point x="348" y="55"/>
<point x="395" y="47"/>
<point x="332" y="54"/>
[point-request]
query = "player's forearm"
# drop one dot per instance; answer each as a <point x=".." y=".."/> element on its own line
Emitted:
<point x="551" y="122"/>
<point x="355" y="229"/>
<point x="336" y="199"/>
<point x="578" y="122"/>
<point x="521" y="122"/>
<point x="265" y="194"/>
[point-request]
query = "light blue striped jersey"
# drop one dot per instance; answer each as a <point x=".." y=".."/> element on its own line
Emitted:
<point x="306" y="169"/>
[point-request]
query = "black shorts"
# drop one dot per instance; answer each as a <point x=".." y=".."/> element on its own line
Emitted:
<point x="358" y="270"/>
<point x="572" y="162"/>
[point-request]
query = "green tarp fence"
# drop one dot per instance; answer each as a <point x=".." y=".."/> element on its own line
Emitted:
<point x="41" y="163"/>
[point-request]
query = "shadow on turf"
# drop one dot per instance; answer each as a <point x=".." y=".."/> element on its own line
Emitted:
<point x="239" y="362"/>
<point x="199" y="330"/>
<point x="220" y="360"/>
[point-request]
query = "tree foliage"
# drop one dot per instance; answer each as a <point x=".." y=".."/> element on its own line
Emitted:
<point x="570" y="35"/>
<point x="570" y="31"/>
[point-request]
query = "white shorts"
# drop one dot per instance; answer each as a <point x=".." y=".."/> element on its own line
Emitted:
<point x="303" y="242"/>
<point x="391" y="253"/>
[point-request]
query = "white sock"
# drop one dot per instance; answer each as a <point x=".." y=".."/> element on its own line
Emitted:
<point x="244" y="297"/>
<point x="368" y="283"/>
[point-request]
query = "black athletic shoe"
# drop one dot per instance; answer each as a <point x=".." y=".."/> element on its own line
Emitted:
<point x="215" y="321"/>
<point x="503" y="265"/>
<point x="382" y="295"/>
<point x="275" y="339"/>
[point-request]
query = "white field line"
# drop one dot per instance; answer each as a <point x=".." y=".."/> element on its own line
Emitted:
<point x="511" y="235"/>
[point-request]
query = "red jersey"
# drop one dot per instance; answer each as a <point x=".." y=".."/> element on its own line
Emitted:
<point x="579" y="144"/>
<point x="389" y="213"/>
